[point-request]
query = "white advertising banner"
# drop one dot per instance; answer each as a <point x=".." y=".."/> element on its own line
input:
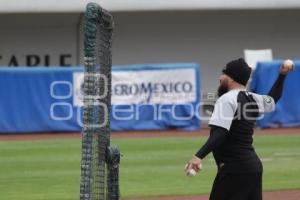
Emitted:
<point x="155" y="86"/>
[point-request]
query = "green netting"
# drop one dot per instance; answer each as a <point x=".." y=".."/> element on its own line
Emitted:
<point x="95" y="172"/>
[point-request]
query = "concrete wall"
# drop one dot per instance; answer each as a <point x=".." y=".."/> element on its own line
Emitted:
<point x="210" y="38"/>
<point x="39" y="39"/>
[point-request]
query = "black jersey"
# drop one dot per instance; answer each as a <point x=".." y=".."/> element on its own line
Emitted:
<point x="237" y="111"/>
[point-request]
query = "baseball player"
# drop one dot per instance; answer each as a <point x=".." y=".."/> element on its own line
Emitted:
<point x="239" y="175"/>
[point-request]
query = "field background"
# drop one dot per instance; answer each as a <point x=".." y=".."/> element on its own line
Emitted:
<point x="150" y="166"/>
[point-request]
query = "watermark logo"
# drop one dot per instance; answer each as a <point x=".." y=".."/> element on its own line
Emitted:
<point x="86" y="103"/>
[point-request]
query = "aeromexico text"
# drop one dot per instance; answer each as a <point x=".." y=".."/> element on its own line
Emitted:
<point x="125" y="89"/>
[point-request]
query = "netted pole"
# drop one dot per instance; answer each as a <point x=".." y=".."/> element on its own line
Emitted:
<point x="95" y="169"/>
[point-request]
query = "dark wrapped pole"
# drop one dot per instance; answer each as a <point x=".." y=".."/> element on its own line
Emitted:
<point x="96" y="183"/>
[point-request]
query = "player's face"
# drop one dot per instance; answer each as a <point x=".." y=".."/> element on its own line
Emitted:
<point x="223" y="87"/>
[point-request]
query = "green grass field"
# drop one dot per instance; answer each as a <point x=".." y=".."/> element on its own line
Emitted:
<point x="50" y="169"/>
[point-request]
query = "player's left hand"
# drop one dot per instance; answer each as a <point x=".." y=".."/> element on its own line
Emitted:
<point x="195" y="163"/>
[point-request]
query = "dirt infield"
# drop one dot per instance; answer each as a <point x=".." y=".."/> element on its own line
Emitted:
<point x="278" y="195"/>
<point x="140" y="134"/>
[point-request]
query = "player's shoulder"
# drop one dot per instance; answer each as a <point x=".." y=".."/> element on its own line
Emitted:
<point x="262" y="98"/>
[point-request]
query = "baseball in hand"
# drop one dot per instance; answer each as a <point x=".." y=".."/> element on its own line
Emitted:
<point x="288" y="64"/>
<point x="192" y="172"/>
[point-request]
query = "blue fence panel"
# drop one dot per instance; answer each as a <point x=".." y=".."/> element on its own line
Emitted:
<point x="50" y="99"/>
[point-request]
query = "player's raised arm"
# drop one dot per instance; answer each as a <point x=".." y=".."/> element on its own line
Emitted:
<point x="276" y="90"/>
<point x="266" y="103"/>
